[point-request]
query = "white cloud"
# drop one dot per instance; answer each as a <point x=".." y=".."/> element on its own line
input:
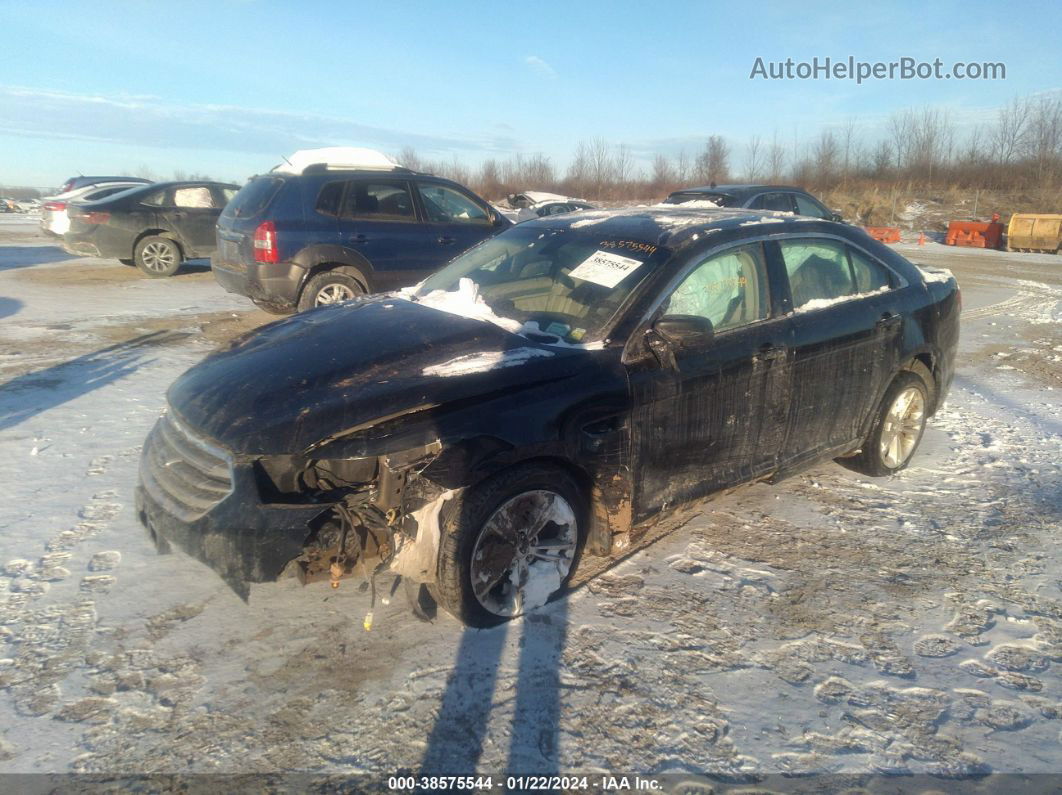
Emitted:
<point x="540" y="66"/>
<point x="150" y="121"/>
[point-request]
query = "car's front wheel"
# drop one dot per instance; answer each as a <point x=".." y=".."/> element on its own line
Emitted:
<point x="157" y="257"/>
<point x="510" y="544"/>
<point x="897" y="429"/>
<point x="330" y="287"/>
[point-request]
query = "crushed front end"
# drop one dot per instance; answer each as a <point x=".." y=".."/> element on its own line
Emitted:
<point x="253" y="519"/>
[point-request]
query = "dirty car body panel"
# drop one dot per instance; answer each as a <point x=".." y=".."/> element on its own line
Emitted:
<point x="382" y="409"/>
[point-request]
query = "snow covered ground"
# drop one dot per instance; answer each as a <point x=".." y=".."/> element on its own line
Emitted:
<point x="832" y="623"/>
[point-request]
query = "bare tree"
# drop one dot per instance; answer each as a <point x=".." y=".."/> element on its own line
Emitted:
<point x="825" y="156"/>
<point x="713" y="164"/>
<point x="775" y="159"/>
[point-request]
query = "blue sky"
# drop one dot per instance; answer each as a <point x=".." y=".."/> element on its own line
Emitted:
<point x="228" y="87"/>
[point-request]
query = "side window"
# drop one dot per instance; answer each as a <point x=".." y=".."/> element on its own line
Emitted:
<point x="782" y="202"/>
<point x="156" y="199"/>
<point x="818" y="271"/>
<point x="446" y="205"/>
<point x="198" y="197"/>
<point x="869" y="275"/>
<point x="729" y="289"/>
<point x="329" y="198"/>
<point x="227" y="194"/>
<point x="378" y="201"/>
<point x="810" y="208"/>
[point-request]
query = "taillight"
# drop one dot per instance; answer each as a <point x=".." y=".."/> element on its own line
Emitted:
<point x="55" y="206"/>
<point x="97" y="218"/>
<point x="265" y="243"/>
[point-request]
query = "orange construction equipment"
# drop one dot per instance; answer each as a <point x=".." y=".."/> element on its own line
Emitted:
<point x="976" y="234"/>
<point x="1035" y="232"/>
<point x="886" y="234"/>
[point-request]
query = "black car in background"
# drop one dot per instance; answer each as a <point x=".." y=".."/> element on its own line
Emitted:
<point x="293" y="241"/>
<point x="779" y="198"/>
<point x="155" y="227"/>
<point x="546" y="395"/>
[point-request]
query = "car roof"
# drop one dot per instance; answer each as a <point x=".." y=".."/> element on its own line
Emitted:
<point x="189" y="183"/>
<point x="734" y="190"/>
<point x="673" y="225"/>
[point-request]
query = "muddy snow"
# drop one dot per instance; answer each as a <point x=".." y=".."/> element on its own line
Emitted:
<point x="829" y="624"/>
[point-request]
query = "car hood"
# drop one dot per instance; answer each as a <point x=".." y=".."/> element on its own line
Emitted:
<point x="294" y="384"/>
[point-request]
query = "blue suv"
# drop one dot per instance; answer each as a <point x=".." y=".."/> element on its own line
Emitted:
<point x="293" y="241"/>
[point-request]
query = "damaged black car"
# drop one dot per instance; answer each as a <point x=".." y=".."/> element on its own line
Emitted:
<point x="544" y="398"/>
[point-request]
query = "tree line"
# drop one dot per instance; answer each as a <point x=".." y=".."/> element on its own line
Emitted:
<point x="1019" y="149"/>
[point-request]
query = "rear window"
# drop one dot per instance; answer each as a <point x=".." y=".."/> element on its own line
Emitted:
<point x="253" y="197"/>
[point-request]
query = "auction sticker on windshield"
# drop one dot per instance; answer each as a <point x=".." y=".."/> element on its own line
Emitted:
<point x="605" y="268"/>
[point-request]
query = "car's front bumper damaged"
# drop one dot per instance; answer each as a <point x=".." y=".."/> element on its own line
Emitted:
<point x="253" y="520"/>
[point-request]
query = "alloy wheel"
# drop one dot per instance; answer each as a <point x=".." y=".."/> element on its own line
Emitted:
<point x="902" y="427"/>
<point x="524" y="552"/>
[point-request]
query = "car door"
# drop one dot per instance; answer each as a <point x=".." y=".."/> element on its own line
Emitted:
<point x="455" y="220"/>
<point x="711" y="413"/>
<point x="378" y="219"/>
<point x="846" y="333"/>
<point x="193" y="216"/>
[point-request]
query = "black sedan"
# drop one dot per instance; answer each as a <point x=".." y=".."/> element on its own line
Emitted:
<point x="778" y="198"/>
<point x="547" y="395"/>
<point x="155" y="227"/>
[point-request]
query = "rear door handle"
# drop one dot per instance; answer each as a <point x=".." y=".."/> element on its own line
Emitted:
<point x="890" y="320"/>
<point x="446" y="240"/>
<point x="358" y="238"/>
<point x="769" y="353"/>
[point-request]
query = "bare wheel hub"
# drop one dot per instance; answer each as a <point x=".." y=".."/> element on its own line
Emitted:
<point x="902" y="427"/>
<point x="524" y="552"/>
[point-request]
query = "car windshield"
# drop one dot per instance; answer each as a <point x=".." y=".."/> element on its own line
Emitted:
<point x="559" y="285"/>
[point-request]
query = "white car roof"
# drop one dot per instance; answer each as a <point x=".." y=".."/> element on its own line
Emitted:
<point x="339" y="157"/>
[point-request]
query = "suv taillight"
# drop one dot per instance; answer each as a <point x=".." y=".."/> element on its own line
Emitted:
<point x="265" y="243"/>
<point x="55" y="206"/>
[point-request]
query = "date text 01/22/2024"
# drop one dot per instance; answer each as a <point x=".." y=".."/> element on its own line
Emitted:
<point x="523" y="783"/>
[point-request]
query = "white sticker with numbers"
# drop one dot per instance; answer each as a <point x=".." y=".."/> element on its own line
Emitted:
<point x="605" y="268"/>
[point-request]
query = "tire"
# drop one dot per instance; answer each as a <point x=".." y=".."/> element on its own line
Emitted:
<point x="340" y="286"/>
<point x="130" y="262"/>
<point x="898" y="428"/>
<point x="273" y="309"/>
<point x="157" y="257"/>
<point x="476" y="529"/>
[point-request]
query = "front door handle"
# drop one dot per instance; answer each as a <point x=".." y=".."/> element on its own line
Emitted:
<point x="358" y="238"/>
<point x="446" y="240"/>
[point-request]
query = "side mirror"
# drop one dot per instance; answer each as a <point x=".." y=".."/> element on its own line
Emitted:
<point x="684" y="329"/>
<point x="837" y="217"/>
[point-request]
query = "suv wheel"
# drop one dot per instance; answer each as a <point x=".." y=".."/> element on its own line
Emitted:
<point x="157" y="257"/>
<point x="509" y="545"/>
<point x="330" y="287"/>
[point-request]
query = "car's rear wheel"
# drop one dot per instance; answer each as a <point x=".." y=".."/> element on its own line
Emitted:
<point x="330" y="287"/>
<point x="897" y="429"/>
<point x="510" y="544"/>
<point x="157" y="257"/>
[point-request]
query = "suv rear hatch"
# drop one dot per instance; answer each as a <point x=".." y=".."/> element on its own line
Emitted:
<point x="240" y="219"/>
